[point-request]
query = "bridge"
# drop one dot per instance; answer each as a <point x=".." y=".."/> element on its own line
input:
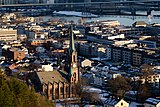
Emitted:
<point x="112" y="7"/>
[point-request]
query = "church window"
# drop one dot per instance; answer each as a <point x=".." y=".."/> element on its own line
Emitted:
<point x="61" y="89"/>
<point x="72" y="79"/>
<point x="45" y="90"/>
<point x="74" y="58"/>
<point x="74" y="75"/>
<point x="50" y="91"/>
<point x="67" y="89"/>
<point x="56" y="93"/>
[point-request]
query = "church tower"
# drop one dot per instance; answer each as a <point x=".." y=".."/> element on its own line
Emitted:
<point x="73" y="63"/>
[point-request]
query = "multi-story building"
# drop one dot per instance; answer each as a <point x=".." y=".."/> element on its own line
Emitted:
<point x="87" y="49"/>
<point x="116" y="54"/>
<point x="127" y="56"/>
<point x="133" y="56"/>
<point x="154" y="80"/>
<point x="137" y="58"/>
<point x="3" y="2"/>
<point x="108" y="53"/>
<point x="93" y="50"/>
<point x="15" y="54"/>
<point x="8" y="34"/>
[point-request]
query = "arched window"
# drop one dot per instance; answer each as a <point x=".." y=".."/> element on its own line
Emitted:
<point x="62" y="90"/>
<point x="74" y="58"/>
<point x="56" y="93"/>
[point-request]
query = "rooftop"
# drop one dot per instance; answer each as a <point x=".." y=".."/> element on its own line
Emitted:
<point x="152" y="101"/>
<point x="51" y="76"/>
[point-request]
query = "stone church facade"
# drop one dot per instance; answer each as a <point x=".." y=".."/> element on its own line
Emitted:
<point x="59" y="84"/>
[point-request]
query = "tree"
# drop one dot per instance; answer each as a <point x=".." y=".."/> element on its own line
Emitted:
<point x="119" y="86"/>
<point x="7" y="96"/>
<point x="2" y="77"/>
<point x="44" y="102"/>
<point x="143" y="93"/>
<point x="82" y="92"/>
<point x="146" y="70"/>
<point x="14" y="93"/>
<point x="71" y="22"/>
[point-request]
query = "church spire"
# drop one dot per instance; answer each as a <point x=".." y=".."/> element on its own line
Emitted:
<point x="72" y="46"/>
<point x="73" y="68"/>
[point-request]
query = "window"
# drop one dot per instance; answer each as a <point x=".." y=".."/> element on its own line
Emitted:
<point x="19" y="54"/>
<point x="74" y="58"/>
<point x="67" y="89"/>
<point x="62" y="90"/>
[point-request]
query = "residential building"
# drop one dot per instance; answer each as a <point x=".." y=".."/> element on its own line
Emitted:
<point x="127" y="56"/>
<point x="154" y="80"/>
<point x="86" y="63"/>
<point x="112" y="102"/>
<point x="37" y="42"/>
<point x="137" y="58"/>
<point x="134" y="55"/>
<point x="140" y="24"/>
<point x="108" y="53"/>
<point x="8" y="34"/>
<point x="152" y="102"/>
<point x="15" y="54"/>
<point x="87" y="49"/>
<point x="116" y="54"/>
<point x="3" y="2"/>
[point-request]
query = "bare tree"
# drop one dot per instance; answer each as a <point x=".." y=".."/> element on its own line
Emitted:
<point x="82" y="92"/>
<point x="146" y="69"/>
<point x="119" y="86"/>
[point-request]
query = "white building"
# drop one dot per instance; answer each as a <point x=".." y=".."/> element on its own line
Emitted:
<point x="119" y="36"/>
<point x="86" y="63"/>
<point x="45" y="68"/>
<point x="112" y="102"/>
<point x="110" y="23"/>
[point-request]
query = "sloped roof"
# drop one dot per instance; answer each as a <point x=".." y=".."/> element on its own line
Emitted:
<point x="140" y="23"/>
<point x="111" y="101"/>
<point x="51" y="76"/>
<point x="152" y="101"/>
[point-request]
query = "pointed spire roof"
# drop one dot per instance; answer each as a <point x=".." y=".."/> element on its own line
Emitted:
<point x="72" y="46"/>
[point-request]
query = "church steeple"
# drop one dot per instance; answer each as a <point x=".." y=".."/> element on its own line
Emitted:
<point x="73" y="66"/>
<point x="72" y="46"/>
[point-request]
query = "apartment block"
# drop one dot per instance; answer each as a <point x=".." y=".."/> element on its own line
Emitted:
<point x="133" y="56"/>
<point x="116" y="54"/>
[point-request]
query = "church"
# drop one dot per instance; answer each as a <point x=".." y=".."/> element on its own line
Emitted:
<point x="59" y="84"/>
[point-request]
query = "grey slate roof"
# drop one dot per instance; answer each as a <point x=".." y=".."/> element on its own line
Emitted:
<point x="152" y="101"/>
<point x="51" y="76"/>
<point x="111" y="101"/>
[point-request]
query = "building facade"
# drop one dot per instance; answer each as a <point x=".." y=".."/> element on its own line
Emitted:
<point x="3" y="2"/>
<point x="8" y="34"/>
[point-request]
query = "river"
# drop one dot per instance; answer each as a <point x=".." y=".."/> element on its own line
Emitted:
<point x="124" y="20"/>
